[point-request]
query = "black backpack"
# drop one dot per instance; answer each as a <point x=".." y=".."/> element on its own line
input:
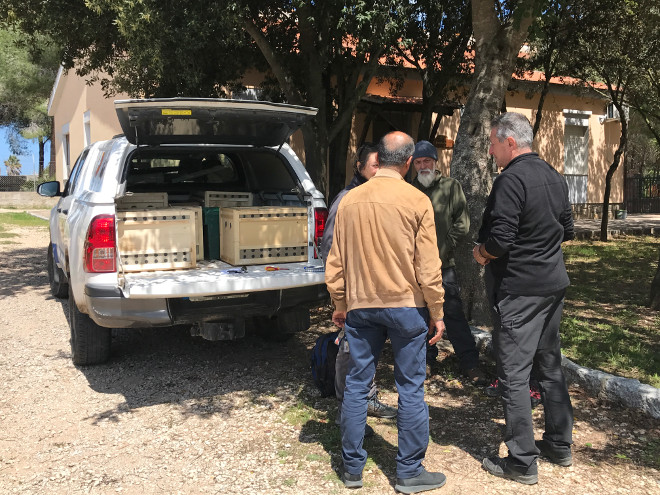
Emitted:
<point x="324" y="355"/>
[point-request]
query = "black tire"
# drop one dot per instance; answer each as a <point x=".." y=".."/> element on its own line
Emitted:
<point x="90" y="343"/>
<point x="56" y="278"/>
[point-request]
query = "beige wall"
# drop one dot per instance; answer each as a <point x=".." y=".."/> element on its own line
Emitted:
<point x="603" y="134"/>
<point x="73" y="103"/>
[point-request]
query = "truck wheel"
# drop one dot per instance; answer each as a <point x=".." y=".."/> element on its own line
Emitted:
<point x="90" y="343"/>
<point x="58" y="286"/>
<point x="281" y="326"/>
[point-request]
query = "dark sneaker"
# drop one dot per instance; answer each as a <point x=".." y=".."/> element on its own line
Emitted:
<point x="563" y="459"/>
<point x="377" y="409"/>
<point x="477" y="377"/>
<point x="420" y="483"/>
<point x="504" y="468"/>
<point x="535" y="395"/>
<point x="352" y="480"/>
<point x="493" y="390"/>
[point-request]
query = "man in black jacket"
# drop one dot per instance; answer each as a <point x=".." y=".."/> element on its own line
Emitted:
<point x="527" y="217"/>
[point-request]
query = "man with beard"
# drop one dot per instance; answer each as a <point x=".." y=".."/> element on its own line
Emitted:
<point x="452" y="222"/>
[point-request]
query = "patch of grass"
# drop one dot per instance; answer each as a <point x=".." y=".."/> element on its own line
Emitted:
<point x="300" y="414"/>
<point x="20" y="219"/>
<point x="651" y="452"/>
<point x="607" y="324"/>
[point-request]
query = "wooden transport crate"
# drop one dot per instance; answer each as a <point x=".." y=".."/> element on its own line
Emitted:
<point x="156" y="239"/>
<point x="140" y="201"/>
<point x="227" y="198"/>
<point x="261" y="235"/>
<point x="199" y="230"/>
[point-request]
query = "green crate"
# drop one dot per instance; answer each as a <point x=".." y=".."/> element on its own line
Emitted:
<point x="211" y="218"/>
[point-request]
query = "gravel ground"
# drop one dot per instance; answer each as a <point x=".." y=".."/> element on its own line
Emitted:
<point x="174" y="414"/>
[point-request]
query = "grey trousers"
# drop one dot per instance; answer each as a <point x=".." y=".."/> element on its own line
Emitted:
<point x="526" y="337"/>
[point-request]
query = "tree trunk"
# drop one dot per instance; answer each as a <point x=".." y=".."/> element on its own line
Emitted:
<point x="51" y="164"/>
<point x="316" y="156"/>
<point x="497" y="47"/>
<point x="655" y="288"/>
<point x="42" y="146"/>
<point x="338" y="158"/>
<point x="610" y="172"/>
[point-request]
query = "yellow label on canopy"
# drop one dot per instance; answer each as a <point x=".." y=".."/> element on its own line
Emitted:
<point x="172" y="111"/>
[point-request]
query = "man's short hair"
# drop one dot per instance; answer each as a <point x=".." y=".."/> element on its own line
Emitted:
<point x="514" y="125"/>
<point x="394" y="152"/>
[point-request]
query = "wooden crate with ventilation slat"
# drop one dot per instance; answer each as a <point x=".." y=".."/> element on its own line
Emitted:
<point x="157" y="239"/>
<point x="262" y="235"/>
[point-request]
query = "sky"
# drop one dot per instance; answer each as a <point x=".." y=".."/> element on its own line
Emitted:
<point x="26" y="160"/>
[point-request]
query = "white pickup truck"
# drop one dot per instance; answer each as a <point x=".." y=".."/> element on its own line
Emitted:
<point x="199" y="214"/>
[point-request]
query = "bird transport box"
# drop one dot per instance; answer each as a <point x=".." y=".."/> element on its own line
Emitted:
<point x="157" y="239"/>
<point x="256" y="235"/>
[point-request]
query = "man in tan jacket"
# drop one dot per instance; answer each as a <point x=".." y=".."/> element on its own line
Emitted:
<point x="384" y="276"/>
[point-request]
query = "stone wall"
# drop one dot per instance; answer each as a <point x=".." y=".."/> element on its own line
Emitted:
<point x="25" y="200"/>
<point x="586" y="211"/>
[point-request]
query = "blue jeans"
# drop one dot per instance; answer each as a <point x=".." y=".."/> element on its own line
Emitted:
<point x="366" y="331"/>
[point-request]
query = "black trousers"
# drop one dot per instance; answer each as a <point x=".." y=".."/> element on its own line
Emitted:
<point x="526" y="337"/>
<point x="458" y="329"/>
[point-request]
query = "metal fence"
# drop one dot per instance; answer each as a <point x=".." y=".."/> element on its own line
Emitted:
<point x="16" y="183"/>
<point x="642" y="194"/>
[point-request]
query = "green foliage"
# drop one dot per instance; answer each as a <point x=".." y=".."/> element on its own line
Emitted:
<point x="27" y="74"/>
<point x="31" y="185"/>
<point x="607" y="324"/>
<point x="434" y="41"/>
<point x="13" y="165"/>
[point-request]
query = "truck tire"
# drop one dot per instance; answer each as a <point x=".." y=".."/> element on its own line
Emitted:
<point x="58" y="286"/>
<point x="90" y="343"/>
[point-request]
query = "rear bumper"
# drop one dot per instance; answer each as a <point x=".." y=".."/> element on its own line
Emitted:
<point x="109" y="308"/>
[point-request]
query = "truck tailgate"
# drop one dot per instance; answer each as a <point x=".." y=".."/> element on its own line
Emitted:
<point x="216" y="277"/>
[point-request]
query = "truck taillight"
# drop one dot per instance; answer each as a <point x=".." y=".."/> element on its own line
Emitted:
<point x="320" y="217"/>
<point x="100" y="245"/>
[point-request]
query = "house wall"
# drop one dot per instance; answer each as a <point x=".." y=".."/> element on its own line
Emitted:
<point x="73" y="105"/>
<point x="603" y="135"/>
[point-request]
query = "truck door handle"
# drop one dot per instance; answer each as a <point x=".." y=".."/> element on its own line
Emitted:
<point x="65" y="212"/>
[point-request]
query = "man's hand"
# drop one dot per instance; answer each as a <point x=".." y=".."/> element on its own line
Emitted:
<point x="436" y="329"/>
<point x="478" y="256"/>
<point x="339" y="318"/>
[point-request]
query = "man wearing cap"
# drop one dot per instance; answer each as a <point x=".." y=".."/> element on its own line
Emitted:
<point x="452" y="221"/>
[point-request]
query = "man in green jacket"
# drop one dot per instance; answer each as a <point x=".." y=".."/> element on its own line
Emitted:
<point x="452" y="221"/>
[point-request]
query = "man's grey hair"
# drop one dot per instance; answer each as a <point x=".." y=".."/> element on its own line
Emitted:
<point x="514" y="125"/>
<point x="394" y="149"/>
